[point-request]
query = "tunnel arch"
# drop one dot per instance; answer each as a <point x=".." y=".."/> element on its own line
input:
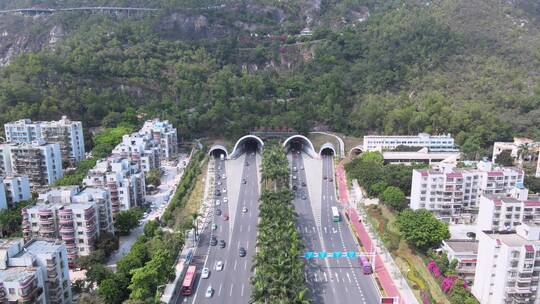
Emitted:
<point x="356" y="150"/>
<point x="307" y="145"/>
<point x="215" y="149"/>
<point x="239" y="148"/>
<point x="327" y="146"/>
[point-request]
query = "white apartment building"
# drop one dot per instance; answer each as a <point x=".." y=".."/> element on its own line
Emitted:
<point x="76" y="217"/>
<point x="390" y="142"/>
<point x="508" y="266"/>
<point x="38" y="160"/>
<point x="68" y="134"/>
<point x="465" y="252"/>
<point x="13" y="189"/>
<point x="164" y="134"/>
<point x="124" y="180"/>
<point x="504" y="212"/>
<point x="514" y="147"/>
<point x="139" y="148"/>
<point x="454" y="194"/>
<point x="538" y="166"/>
<point x="35" y="272"/>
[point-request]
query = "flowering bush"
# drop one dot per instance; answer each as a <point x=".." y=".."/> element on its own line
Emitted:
<point x="448" y="283"/>
<point x="432" y="266"/>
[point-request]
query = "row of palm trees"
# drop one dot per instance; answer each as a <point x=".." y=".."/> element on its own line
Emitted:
<point x="278" y="276"/>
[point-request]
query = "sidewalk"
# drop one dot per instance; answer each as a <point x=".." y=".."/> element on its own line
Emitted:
<point x="394" y="286"/>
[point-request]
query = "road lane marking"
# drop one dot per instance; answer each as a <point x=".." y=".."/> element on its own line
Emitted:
<point x="247" y="246"/>
<point x="249" y="228"/>
<point x="242" y="292"/>
<point x="220" y="285"/>
<point x="316" y="279"/>
<point x="235" y="261"/>
<point x="349" y="277"/>
<point x="325" y="277"/>
<point x="245" y="265"/>
<point x="240" y="228"/>
<point x="230" y="292"/>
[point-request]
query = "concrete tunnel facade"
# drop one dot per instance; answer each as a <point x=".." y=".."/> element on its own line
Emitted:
<point x="242" y="141"/>
<point x="305" y="143"/>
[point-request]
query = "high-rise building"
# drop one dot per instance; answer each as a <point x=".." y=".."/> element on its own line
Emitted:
<point x="453" y="194"/>
<point x="13" y="189"/>
<point x="465" y="252"/>
<point x="66" y="133"/>
<point x="124" y="180"/>
<point x="38" y="160"/>
<point x="390" y="142"/>
<point x="508" y="266"/>
<point x="164" y="134"/>
<point x="76" y="217"/>
<point x="139" y="148"/>
<point x="35" y="272"/>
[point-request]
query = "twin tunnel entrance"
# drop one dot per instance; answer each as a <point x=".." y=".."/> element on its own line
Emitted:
<point x="252" y="143"/>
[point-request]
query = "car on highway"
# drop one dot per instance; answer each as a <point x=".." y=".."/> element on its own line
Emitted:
<point x="219" y="266"/>
<point x="214" y="226"/>
<point x="294" y="187"/>
<point x="224" y="176"/>
<point x="218" y="193"/>
<point x="294" y="177"/>
<point x="242" y="252"/>
<point x="224" y="190"/>
<point x="205" y="273"/>
<point x="303" y="184"/>
<point x="218" y="202"/>
<point x="247" y="163"/>
<point x="244" y="210"/>
<point x="222" y="244"/>
<point x="294" y="169"/>
<point x="219" y="167"/>
<point x="226" y="217"/>
<point x="219" y="183"/>
<point x="209" y="292"/>
<point x="213" y="241"/>
<point x="218" y="212"/>
<point x="324" y="177"/>
<point x="302" y="168"/>
<point x="243" y="181"/>
<point x="330" y="179"/>
<point x="298" y="152"/>
<point x="304" y="197"/>
<point x="225" y="200"/>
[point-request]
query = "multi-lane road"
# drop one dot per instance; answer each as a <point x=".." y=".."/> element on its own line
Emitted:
<point x="236" y="226"/>
<point x="330" y="280"/>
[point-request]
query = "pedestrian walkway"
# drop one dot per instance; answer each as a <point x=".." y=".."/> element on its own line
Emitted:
<point x="394" y="286"/>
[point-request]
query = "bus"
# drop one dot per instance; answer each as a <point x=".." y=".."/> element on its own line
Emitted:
<point x="189" y="280"/>
<point x="335" y="214"/>
<point x="366" y="265"/>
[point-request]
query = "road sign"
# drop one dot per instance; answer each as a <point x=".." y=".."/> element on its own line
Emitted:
<point x="336" y="254"/>
<point x="309" y="255"/>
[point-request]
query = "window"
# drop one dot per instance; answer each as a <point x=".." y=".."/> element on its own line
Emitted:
<point x="79" y="224"/>
<point x="78" y="215"/>
<point x="81" y="249"/>
<point x="12" y="291"/>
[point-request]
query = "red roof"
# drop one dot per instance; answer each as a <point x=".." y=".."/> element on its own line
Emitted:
<point x="495" y="173"/>
<point x="497" y="202"/>
<point x="455" y="174"/>
<point x="532" y="203"/>
<point x="424" y="173"/>
<point x="468" y="261"/>
<point x="529" y="248"/>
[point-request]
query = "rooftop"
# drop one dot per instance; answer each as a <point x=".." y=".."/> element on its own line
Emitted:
<point x="14" y="274"/>
<point x="37" y="246"/>
<point x="462" y="245"/>
<point x="511" y="239"/>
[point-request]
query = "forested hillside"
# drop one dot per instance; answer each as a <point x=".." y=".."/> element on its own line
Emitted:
<point x="466" y="67"/>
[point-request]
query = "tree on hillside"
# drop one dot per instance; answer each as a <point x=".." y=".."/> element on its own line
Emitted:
<point x="421" y="229"/>
<point x="394" y="197"/>
<point x="153" y="177"/>
<point x="505" y="158"/>
<point x="372" y="157"/>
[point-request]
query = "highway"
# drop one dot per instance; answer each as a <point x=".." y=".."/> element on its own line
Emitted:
<point x="232" y="284"/>
<point x="331" y="280"/>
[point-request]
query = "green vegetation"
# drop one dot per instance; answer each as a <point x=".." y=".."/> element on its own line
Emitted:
<point x="394" y="197"/>
<point x="104" y="143"/>
<point x="11" y="219"/>
<point x="278" y="277"/>
<point x="173" y="215"/>
<point x="421" y="229"/>
<point x="153" y="177"/>
<point x="126" y="220"/>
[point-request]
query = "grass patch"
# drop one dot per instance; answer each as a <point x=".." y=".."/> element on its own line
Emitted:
<point x="184" y="218"/>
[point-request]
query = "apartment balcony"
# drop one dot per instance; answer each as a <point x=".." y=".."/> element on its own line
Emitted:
<point x="46" y="229"/>
<point x="52" y="276"/>
<point x="31" y="296"/>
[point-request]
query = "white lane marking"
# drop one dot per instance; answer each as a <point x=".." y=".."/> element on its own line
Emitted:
<point x="238" y="244"/>
<point x="220" y="285"/>
<point x="235" y="261"/>
<point x="315" y="275"/>
<point x="247" y="246"/>
<point x="242" y="292"/>
<point x="325" y="277"/>
<point x="230" y="292"/>
<point x="245" y="265"/>
<point x="337" y="277"/>
<point x="249" y="228"/>
<point x="240" y="228"/>
<point x="349" y="277"/>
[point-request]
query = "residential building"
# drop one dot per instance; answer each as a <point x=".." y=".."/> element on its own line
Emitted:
<point x="76" y="217"/>
<point x="504" y="212"/>
<point x="35" y="272"/>
<point x="164" y="134"/>
<point x="390" y="142"/>
<point x="538" y="166"/>
<point x="66" y="133"/>
<point x="516" y="147"/>
<point x="508" y="266"/>
<point x="14" y="189"/>
<point x="139" y="148"/>
<point x="465" y="253"/>
<point x="421" y="156"/>
<point x="38" y="160"/>
<point x="453" y="194"/>
<point x="124" y="180"/>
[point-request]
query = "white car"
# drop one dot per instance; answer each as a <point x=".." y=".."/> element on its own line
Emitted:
<point x="294" y="177"/>
<point x="219" y="266"/>
<point x="205" y="273"/>
<point x="219" y="183"/>
<point x="224" y="176"/>
<point x="224" y="190"/>
<point x="244" y="210"/>
<point x="225" y="200"/>
<point x="209" y="292"/>
<point x="218" y="202"/>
